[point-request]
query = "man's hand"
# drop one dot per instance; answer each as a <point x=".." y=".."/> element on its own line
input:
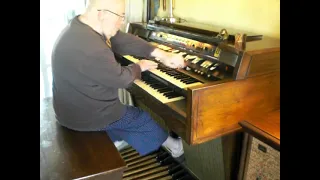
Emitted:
<point x="169" y="59"/>
<point x="147" y="65"/>
<point x="174" y="61"/>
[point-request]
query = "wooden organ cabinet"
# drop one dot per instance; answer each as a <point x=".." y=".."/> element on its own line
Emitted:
<point x="231" y="76"/>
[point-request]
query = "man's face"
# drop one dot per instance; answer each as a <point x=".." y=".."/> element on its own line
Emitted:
<point x="113" y="18"/>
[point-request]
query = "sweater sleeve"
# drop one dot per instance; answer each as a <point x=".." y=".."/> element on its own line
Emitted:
<point x="128" y="44"/>
<point x="103" y="68"/>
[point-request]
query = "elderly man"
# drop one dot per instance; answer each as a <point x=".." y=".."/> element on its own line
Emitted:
<point x="86" y="78"/>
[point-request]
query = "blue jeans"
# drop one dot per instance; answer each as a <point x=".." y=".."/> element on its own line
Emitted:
<point x="139" y="130"/>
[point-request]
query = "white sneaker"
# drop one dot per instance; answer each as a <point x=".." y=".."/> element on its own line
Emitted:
<point x="120" y="145"/>
<point x="175" y="152"/>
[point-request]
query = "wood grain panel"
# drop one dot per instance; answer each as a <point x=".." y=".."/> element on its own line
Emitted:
<point x="266" y="128"/>
<point x="264" y="63"/>
<point x="218" y="109"/>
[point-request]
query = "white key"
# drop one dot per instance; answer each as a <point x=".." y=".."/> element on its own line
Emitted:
<point x="189" y="57"/>
<point x="132" y="59"/>
<point x="163" y="47"/>
<point x="155" y="93"/>
<point x="165" y="76"/>
<point x="182" y="53"/>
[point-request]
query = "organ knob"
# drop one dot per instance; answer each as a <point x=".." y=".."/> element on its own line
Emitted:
<point x="216" y="73"/>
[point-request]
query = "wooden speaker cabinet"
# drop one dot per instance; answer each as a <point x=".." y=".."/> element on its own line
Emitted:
<point x="262" y="162"/>
<point x="260" y="159"/>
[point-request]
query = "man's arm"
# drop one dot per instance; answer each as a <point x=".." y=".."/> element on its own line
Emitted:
<point x="128" y="44"/>
<point x="104" y="69"/>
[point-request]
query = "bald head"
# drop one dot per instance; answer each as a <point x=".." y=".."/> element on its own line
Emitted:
<point x="104" y="16"/>
<point x="93" y="5"/>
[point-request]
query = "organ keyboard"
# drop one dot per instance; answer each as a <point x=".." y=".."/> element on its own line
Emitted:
<point x="175" y="77"/>
<point x="158" y="90"/>
<point x="230" y="76"/>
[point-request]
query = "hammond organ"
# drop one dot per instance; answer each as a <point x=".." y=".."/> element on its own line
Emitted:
<point x="230" y="76"/>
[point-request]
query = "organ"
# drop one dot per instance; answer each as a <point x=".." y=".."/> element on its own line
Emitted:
<point x="230" y="76"/>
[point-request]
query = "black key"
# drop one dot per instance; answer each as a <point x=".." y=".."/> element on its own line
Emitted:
<point x="185" y="79"/>
<point x="189" y="81"/>
<point x="170" y="95"/>
<point x="186" y="177"/>
<point x="174" y="169"/>
<point x="165" y="90"/>
<point x="167" y="161"/>
<point x="180" y="76"/>
<point x="168" y="71"/>
<point x="162" y="156"/>
<point x="161" y="89"/>
<point x="154" y="84"/>
<point x="179" y="174"/>
<point x="158" y="86"/>
<point x="152" y="81"/>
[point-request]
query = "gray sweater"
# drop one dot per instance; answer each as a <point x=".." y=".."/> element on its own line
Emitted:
<point x="86" y="76"/>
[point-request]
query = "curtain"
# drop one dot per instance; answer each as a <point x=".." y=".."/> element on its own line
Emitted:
<point x="134" y="10"/>
<point x="134" y="13"/>
<point x="54" y="16"/>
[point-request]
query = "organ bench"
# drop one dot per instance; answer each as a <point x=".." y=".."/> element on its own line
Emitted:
<point x="67" y="154"/>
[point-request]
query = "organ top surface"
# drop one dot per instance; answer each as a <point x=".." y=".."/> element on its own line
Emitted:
<point x="208" y="30"/>
<point x="265" y="128"/>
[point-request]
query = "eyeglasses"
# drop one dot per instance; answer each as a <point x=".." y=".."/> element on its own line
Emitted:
<point x="122" y="17"/>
